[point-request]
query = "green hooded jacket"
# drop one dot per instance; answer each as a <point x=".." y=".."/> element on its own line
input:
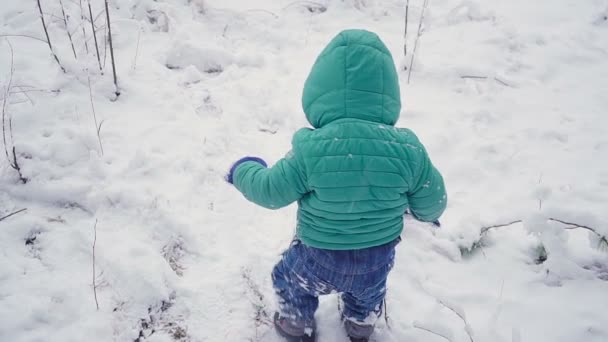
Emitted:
<point x="355" y="174"/>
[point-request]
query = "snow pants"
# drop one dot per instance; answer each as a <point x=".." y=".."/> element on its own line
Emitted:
<point x="304" y="273"/>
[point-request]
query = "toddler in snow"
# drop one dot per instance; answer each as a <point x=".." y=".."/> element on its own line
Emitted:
<point x="354" y="175"/>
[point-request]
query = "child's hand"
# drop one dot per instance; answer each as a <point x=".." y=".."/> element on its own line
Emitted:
<point x="229" y="177"/>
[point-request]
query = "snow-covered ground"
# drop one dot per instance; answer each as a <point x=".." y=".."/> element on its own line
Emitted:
<point x="181" y="256"/>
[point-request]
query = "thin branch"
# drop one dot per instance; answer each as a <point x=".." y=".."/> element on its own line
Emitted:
<point x="97" y="127"/>
<point x="35" y="90"/>
<point x="417" y="326"/>
<point x="467" y="327"/>
<point x="95" y="37"/>
<point x="310" y="5"/>
<point x="23" y="36"/>
<point x="386" y="315"/>
<point x="262" y="11"/>
<point x="419" y="33"/>
<point x="25" y="93"/>
<point x="603" y="242"/>
<point x="4" y="103"/>
<point x="13" y="213"/>
<point x="116" y="89"/>
<point x="94" y="273"/>
<point x="573" y="225"/>
<point x="105" y="48"/>
<point x="502" y="82"/>
<point x="486" y="229"/>
<point x="407" y="11"/>
<point x="16" y="164"/>
<point x="67" y="29"/>
<point x="136" y="49"/>
<point x="48" y="39"/>
<point x="84" y="32"/>
<point x="474" y="77"/>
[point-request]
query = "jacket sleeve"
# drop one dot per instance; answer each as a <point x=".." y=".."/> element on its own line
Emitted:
<point x="274" y="187"/>
<point x="427" y="198"/>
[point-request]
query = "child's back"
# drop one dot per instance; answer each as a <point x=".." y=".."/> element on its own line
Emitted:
<point x="353" y="176"/>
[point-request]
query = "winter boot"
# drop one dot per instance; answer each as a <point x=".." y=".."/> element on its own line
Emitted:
<point x="290" y="332"/>
<point x="358" y="332"/>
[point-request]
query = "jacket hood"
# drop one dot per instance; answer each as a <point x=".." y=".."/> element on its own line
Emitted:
<point x="353" y="77"/>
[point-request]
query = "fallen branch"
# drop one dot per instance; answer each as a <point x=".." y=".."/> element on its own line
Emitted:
<point x="48" y="39"/>
<point x="418" y="34"/>
<point x="13" y="213"/>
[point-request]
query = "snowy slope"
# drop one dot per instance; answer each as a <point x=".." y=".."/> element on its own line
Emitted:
<point x="180" y="255"/>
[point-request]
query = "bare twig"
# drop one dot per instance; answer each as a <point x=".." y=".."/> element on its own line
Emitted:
<point x="136" y="49"/>
<point x="84" y="32"/>
<point x="479" y="242"/>
<point x="95" y="37"/>
<point x="476" y="77"/>
<point x="386" y="315"/>
<point x="13" y="213"/>
<point x="418" y="34"/>
<point x="418" y="326"/>
<point x="486" y="229"/>
<point x="573" y="225"/>
<point x="502" y="82"/>
<point x="94" y="272"/>
<point x="105" y="48"/>
<point x="23" y="36"/>
<point x="262" y="317"/>
<point x="14" y="164"/>
<point x="67" y="29"/>
<point x="311" y="6"/>
<point x="97" y="126"/>
<point x="262" y="11"/>
<point x="467" y="327"/>
<point x="25" y="93"/>
<point x="48" y="39"/>
<point x="407" y="12"/>
<point x="22" y="91"/>
<point x="4" y="103"/>
<point x="603" y="239"/>
<point x="116" y="89"/>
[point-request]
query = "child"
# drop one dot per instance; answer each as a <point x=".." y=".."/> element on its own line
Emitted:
<point x="353" y="175"/>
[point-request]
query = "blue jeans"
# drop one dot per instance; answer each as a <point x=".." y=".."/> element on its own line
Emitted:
<point x="304" y="273"/>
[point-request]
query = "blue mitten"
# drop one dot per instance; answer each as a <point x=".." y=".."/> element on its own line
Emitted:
<point x="230" y="175"/>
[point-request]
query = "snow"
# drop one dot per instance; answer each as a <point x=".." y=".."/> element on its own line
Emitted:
<point x="206" y="82"/>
